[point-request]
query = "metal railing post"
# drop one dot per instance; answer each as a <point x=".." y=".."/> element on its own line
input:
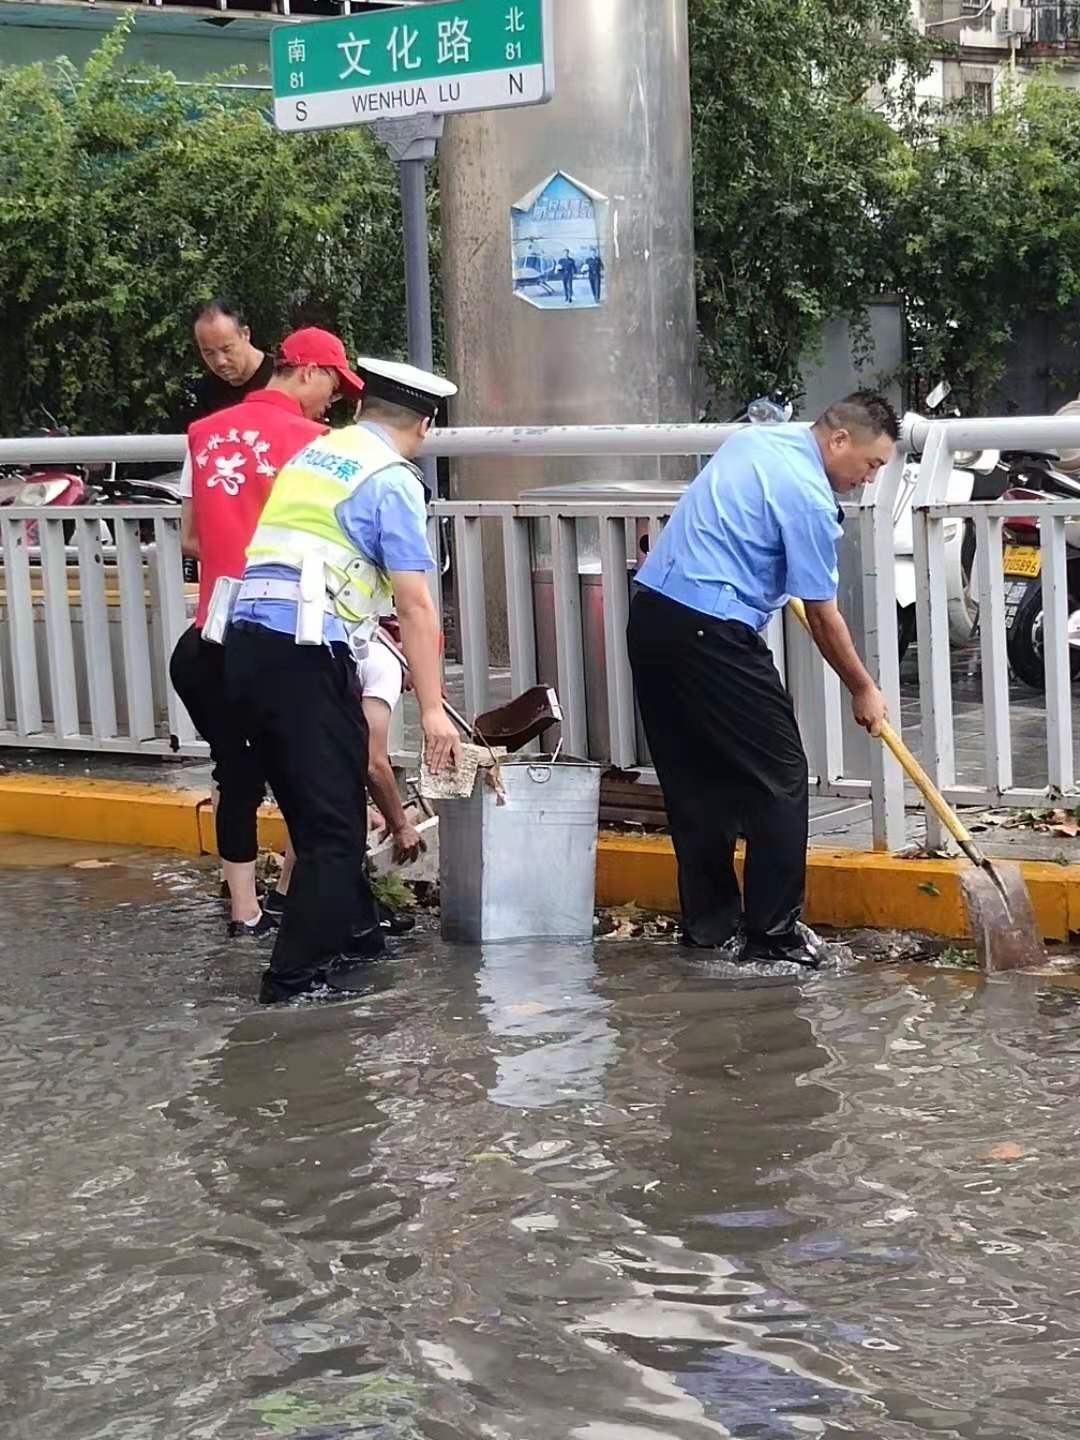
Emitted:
<point x="61" y="651"/>
<point x="932" y="618"/>
<point x="882" y="656"/>
<point x="20" y="617"/>
<point x="570" y="660"/>
<point x="995" y="659"/>
<point x="1056" y="655"/>
<point x="472" y="613"/>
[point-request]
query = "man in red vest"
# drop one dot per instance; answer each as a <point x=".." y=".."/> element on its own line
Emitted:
<point x="233" y="458"/>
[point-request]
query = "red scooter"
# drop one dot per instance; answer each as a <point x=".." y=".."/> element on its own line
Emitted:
<point x="47" y="485"/>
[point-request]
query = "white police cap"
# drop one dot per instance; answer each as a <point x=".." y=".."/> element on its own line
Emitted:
<point x="417" y="390"/>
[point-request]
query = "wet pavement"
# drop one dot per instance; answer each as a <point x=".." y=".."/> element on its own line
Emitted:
<point x="521" y="1193"/>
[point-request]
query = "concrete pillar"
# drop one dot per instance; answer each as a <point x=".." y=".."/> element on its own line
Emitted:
<point x="619" y="129"/>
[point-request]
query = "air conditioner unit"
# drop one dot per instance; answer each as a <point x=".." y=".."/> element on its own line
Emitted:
<point x="1016" y="20"/>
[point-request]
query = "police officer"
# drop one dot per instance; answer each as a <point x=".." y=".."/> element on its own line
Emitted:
<point x="759" y="524"/>
<point x="342" y="538"/>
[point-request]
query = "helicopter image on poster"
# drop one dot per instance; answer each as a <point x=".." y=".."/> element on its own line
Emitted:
<point x="557" y="245"/>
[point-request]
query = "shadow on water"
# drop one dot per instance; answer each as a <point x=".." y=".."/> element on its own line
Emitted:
<point x="528" y="1191"/>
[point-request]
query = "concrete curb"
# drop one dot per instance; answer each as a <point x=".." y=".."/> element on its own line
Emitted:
<point x="846" y="888"/>
<point x="849" y="888"/>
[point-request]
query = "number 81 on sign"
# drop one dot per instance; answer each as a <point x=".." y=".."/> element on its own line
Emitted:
<point x="424" y="60"/>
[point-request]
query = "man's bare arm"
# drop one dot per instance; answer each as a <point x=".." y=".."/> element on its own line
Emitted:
<point x="833" y="639"/>
<point x="189" y="539"/>
<point x="420" y="641"/>
<point x="380" y="774"/>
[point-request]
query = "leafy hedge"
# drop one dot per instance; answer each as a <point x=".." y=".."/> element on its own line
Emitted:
<point x="125" y="198"/>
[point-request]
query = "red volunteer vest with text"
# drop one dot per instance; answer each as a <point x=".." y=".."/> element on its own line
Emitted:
<point x="235" y="455"/>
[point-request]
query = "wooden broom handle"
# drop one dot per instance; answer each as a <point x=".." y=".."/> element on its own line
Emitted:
<point x="915" y="772"/>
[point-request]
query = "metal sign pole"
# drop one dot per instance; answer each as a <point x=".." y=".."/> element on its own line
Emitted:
<point x="412" y="142"/>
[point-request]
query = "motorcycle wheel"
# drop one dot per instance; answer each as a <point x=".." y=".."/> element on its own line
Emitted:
<point x="1024" y="640"/>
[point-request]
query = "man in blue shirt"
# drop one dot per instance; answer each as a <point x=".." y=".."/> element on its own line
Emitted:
<point x="757" y="526"/>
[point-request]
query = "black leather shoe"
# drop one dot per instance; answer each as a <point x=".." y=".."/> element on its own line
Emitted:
<point x="271" y="992"/>
<point x="365" y="945"/>
<point x="395" y="922"/>
<point x="798" y="946"/>
<point x="733" y="941"/>
<point x="274" y="903"/>
<point x="257" y="930"/>
<point x="340" y="979"/>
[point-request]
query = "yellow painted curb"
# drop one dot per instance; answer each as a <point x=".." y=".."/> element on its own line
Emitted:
<point x="119" y="812"/>
<point x="845" y="888"/>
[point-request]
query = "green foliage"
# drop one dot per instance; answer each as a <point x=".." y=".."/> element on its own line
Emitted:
<point x="986" y="231"/>
<point x="793" y="174"/>
<point x="391" y="890"/>
<point x="126" y="198"/>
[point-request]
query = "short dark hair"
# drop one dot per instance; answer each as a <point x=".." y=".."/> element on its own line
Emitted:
<point x="864" y="410"/>
<point x="398" y="417"/>
<point x="219" y="305"/>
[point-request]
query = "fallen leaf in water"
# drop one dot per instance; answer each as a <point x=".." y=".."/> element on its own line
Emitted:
<point x="1007" y="1150"/>
<point x="631" y="922"/>
<point x="92" y="865"/>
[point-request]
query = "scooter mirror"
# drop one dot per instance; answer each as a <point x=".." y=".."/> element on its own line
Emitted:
<point x="764" y="411"/>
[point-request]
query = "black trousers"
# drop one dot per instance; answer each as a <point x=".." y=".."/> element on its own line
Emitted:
<point x="309" y="733"/>
<point x="197" y="671"/>
<point x="722" y="732"/>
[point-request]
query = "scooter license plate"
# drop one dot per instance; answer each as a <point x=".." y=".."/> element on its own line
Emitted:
<point x="1023" y="560"/>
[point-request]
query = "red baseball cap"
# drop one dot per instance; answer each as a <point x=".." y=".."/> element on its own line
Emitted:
<point x="312" y="346"/>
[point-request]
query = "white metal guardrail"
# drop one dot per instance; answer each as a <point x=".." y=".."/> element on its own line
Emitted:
<point x="938" y="444"/>
<point x="86" y="628"/>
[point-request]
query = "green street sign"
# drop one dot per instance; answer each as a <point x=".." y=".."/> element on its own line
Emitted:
<point x="420" y="60"/>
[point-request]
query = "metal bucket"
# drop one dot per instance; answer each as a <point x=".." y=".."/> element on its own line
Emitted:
<point x="525" y="869"/>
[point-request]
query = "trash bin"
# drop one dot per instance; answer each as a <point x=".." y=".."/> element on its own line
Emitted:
<point x="524" y="869"/>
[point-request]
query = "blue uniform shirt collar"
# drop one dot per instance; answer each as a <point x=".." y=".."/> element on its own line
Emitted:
<point x="815" y="449"/>
<point x="384" y="436"/>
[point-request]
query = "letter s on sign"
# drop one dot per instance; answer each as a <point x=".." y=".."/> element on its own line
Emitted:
<point x="301" y="112"/>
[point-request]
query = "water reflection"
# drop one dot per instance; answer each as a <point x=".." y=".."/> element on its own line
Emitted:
<point x="528" y="1192"/>
<point x="541" y="1002"/>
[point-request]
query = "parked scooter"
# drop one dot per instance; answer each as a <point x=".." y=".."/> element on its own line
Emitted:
<point x="1033" y="481"/>
<point x="80" y="485"/>
<point x="974" y="477"/>
<point x="52" y="485"/>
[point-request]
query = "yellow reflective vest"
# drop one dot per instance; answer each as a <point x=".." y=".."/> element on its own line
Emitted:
<point x="300" y="519"/>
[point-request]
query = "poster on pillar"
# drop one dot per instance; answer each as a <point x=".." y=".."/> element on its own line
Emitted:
<point x="557" y="243"/>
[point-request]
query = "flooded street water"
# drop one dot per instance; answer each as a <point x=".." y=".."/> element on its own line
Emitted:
<point x="527" y="1193"/>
